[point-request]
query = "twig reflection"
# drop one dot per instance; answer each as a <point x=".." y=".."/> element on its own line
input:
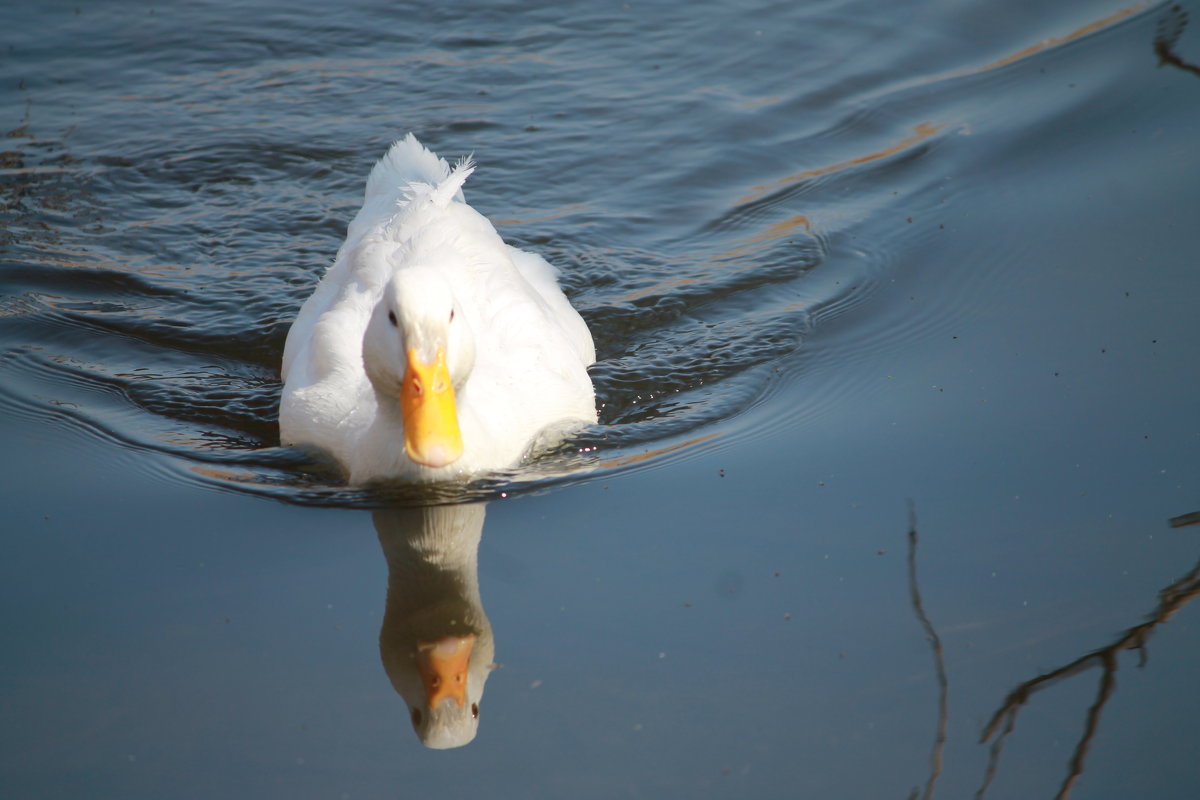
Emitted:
<point x="1183" y="520"/>
<point x="1171" y="599"/>
<point x="935" y="642"/>
<point x="1170" y="27"/>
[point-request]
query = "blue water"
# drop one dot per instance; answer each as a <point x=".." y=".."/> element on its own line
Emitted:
<point x="837" y="258"/>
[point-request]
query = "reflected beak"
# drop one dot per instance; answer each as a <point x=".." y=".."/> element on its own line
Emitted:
<point x="431" y="434"/>
<point x="443" y="668"/>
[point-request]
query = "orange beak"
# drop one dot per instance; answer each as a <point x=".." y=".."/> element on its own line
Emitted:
<point x="443" y="668"/>
<point x="431" y="434"/>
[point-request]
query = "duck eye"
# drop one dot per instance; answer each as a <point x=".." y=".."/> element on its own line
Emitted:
<point x="474" y="710"/>
<point x="452" y="315"/>
<point x="416" y="717"/>
<point x="392" y="318"/>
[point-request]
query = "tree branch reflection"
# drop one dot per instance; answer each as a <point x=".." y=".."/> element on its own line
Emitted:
<point x="1003" y="722"/>
<point x="935" y="642"/>
<point x="1171" y="26"/>
<point x="1171" y="600"/>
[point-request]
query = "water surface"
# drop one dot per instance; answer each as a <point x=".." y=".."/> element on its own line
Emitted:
<point x="837" y="258"/>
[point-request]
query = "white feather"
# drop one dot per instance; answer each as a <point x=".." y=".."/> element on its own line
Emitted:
<point x="529" y="347"/>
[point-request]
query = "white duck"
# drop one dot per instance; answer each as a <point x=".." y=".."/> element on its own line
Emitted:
<point x="432" y="350"/>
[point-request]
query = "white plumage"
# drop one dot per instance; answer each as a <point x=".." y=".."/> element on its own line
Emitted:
<point x="423" y="277"/>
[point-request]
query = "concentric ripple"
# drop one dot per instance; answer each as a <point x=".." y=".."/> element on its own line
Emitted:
<point x="162" y="223"/>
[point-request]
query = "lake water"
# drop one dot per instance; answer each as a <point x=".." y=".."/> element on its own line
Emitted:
<point x="853" y="269"/>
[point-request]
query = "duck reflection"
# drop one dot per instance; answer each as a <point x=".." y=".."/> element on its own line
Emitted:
<point x="436" y="641"/>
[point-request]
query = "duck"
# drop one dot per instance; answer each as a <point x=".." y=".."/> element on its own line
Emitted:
<point x="435" y="640"/>
<point x="432" y="350"/>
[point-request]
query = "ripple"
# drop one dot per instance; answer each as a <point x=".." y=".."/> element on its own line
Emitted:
<point x="177" y="356"/>
<point x="155" y="254"/>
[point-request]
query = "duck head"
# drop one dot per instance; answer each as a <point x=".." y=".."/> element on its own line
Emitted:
<point x="418" y="352"/>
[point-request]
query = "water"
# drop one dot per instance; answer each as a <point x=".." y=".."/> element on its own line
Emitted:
<point x="836" y="258"/>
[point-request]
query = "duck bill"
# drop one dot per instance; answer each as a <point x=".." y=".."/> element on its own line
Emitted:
<point x="431" y="434"/>
<point x="443" y="668"/>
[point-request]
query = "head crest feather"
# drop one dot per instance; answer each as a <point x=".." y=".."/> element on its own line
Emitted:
<point x="451" y="187"/>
